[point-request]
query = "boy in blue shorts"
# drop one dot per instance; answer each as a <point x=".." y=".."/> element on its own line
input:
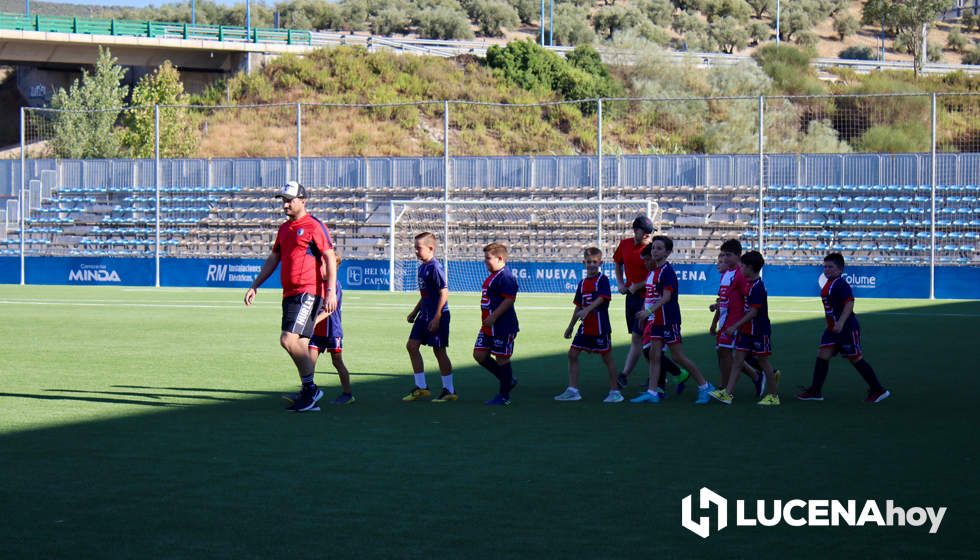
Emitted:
<point x="842" y="335"/>
<point x="328" y="336"/>
<point x="662" y="314"/>
<point x="752" y="333"/>
<point x="500" y="326"/>
<point x="592" y="309"/>
<point x="430" y="322"/>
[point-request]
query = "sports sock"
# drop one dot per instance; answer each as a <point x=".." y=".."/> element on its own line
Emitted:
<point x="868" y="373"/>
<point x="572" y="389"/>
<point x="669" y="366"/>
<point x="307" y="381"/>
<point x="705" y="386"/>
<point x="492" y="366"/>
<point x="820" y="369"/>
<point x="506" y="378"/>
<point x="420" y="380"/>
<point x="447" y="383"/>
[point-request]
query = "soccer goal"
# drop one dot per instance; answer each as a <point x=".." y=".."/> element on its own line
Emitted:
<point x="534" y="231"/>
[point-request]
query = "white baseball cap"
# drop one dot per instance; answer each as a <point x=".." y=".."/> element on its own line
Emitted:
<point x="292" y="190"/>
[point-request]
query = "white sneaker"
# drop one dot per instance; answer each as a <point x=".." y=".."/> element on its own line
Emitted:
<point x="569" y="395"/>
<point x="613" y="397"/>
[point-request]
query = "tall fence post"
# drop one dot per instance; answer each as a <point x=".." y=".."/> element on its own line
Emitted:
<point x="391" y="245"/>
<point x="23" y="198"/>
<point x="156" y="175"/>
<point x="299" y="143"/>
<point x="932" y="219"/>
<point x="762" y="146"/>
<point x="445" y="190"/>
<point x="599" y="173"/>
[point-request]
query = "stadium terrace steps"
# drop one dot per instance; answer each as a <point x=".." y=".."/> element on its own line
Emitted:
<point x="874" y="224"/>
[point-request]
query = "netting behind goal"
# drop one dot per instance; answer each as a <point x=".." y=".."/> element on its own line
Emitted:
<point x="535" y="232"/>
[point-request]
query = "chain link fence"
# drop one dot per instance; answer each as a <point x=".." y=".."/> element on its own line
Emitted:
<point x="885" y="179"/>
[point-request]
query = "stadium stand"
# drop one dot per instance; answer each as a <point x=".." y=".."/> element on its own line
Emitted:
<point x="871" y="224"/>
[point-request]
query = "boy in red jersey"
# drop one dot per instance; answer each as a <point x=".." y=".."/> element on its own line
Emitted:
<point x="842" y="335"/>
<point x="592" y="309"/>
<point x="661" y="316"/>
<point x="309" y="274"/>
<point x="729" y="308"/>
<point x="752" y="333"/>
<point x="500" y="326"/>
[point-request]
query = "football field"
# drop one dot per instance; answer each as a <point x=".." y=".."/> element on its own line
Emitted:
<point x="147" y="423"/>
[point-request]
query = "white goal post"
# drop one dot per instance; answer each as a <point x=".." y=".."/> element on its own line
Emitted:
<point x="534" y="230"/>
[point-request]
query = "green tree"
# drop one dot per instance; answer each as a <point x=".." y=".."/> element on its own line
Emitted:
<point x="572" y="26"/>
<point x="846" y="25"/>
<point x="760" y="7"/>
<point x="178" y="136"/>
<point x="86" y="125"/>
<point x="493" y="16"/>
<point x="955" y="41"/>
<point x="906" y="15"/>
<point x="527" y="10"/>
<point x="611" y="19"/>
<point x="444" y="23"/>
<point x="730" y="35"/>
<point x="759" y="32"/>
<point x="659" y="12"/>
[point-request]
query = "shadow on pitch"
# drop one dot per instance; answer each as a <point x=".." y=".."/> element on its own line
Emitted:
<point x="239" y="477"/>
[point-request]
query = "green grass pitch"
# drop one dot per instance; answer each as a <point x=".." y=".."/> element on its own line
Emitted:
<point x="147" y="423"/>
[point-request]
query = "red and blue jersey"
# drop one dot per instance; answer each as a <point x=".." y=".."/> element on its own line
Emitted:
<point x="757" y="298"/>
<point x="835" y="295"/>
<point x="432" y="280"/>
<point x="332" y="327"/>
<point x="301" y="244"/>
<point x="499" y="286"/>
<point x="661" y="280"/>
<point x="731" y="298"/>
<point x="589" y="290"/>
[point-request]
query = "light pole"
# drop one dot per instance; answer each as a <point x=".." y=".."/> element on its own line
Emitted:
<point x="248" y="19"/>
<point x="542" y="23"/>
<point x="778" y="6"/>
<point x="193" y="12"/>
<point x="551" y="23"/>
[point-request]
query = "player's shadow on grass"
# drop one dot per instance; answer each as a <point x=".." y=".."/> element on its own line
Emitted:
<point x="222" y="477"/>
<point x="105" y="400"/>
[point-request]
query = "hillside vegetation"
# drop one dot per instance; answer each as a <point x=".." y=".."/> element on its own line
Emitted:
<point x="521" y="72"/>
<point x="832" y="28"/>
<point x="393" y="106"/>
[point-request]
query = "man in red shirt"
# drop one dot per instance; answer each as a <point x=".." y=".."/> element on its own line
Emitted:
<point x="631" y="275"/>
<point x="309" y="275"/>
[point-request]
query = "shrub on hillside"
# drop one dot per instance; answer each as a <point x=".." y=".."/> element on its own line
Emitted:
<point x="857" y="53"/>
<point x="444" y="23"/>
<point x="493" y="16"/>
<point x="955" y="41"/>
<point x="846" y="25"/>
<point x="572" y="26"/>
<point x="972" y="57"/>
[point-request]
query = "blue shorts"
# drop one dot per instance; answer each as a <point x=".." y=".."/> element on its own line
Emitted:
<point x="601" y="344"/>
<point x="327" y="344"/>
<point x="847" y="342"/>
<point x="299" y="313"/>
<point x="755" y="344"/>
<point x="669" y="334"/>
<point x="498" y="345"/>
<point x="438" y="339"/>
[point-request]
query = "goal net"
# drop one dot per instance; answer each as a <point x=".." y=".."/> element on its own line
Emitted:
<point x="544" y="239"/>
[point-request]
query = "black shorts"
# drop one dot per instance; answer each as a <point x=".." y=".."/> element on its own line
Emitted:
<point x="299" y="313"/>
<point x="634" y="303"/>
